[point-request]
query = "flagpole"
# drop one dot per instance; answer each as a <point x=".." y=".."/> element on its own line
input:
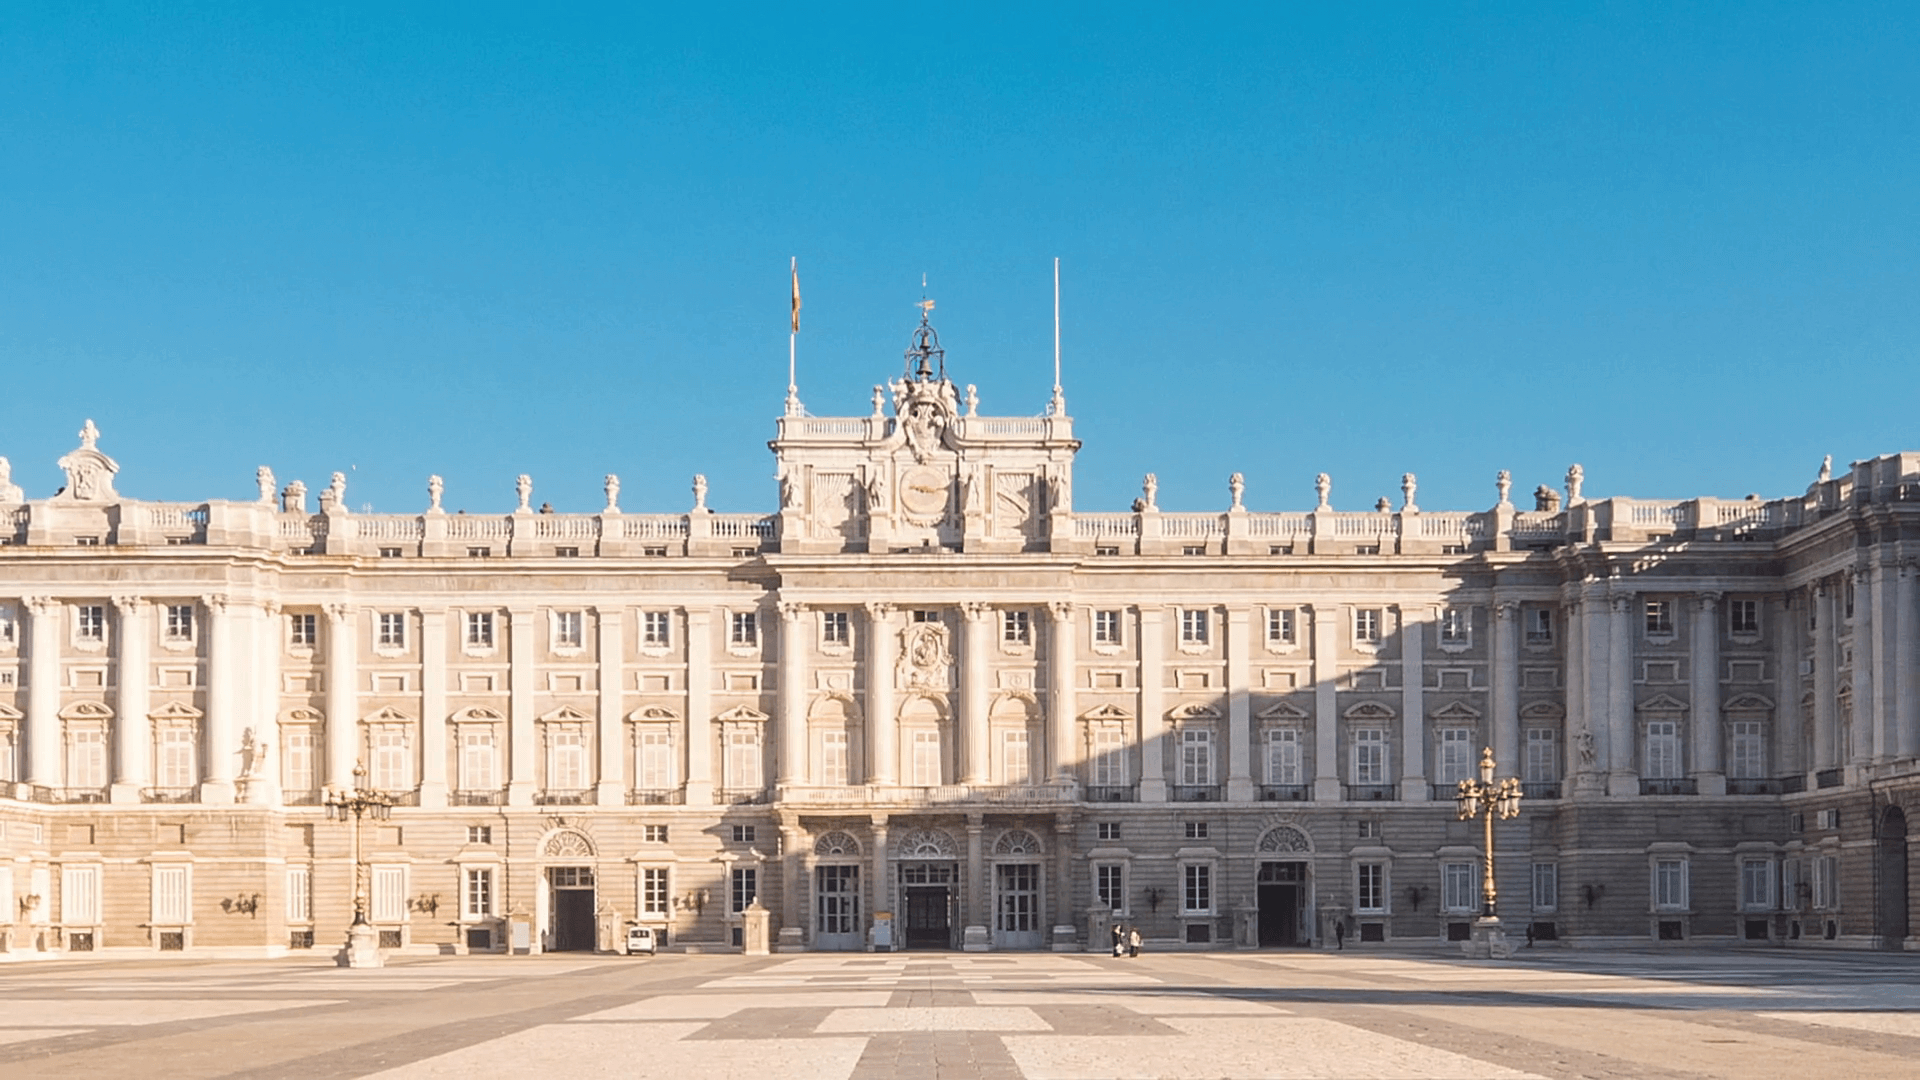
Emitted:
<point x="1059" y="405"/>
<point x="793" y="334"/>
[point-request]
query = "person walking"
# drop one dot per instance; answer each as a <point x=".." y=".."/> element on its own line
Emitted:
<point x="1340" y="933"/>
<point x="1119" y="940"/>
<point x="1133" y="942"/>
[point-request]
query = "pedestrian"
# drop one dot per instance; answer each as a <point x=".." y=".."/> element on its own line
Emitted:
<point x="1340" y="933"/>
<point x="1529" y="935"/>
<point x="1119" y="940"/>
<point x="1133" y="942"/>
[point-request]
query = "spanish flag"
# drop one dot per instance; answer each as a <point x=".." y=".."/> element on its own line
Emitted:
<point x="796" y="294"/>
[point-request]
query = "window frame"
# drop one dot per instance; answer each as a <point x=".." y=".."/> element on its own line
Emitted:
<point x="1372" y="889"/>
<point x="1368" y="626"/>
<point x="1196" y="884"/>
<point x="1109" y="628"/>
<point x="390" y="631"/>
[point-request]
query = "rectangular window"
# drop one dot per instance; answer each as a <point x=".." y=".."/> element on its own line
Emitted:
<point x="1015" y="765"/>
<point x="1670" y="884"/>
<point x="1016" y="627"/>
<point x="744" y="887"/>
<point x="1193" y="626"/>
<point x="1663" y="749"/>
<point x="1826" y="883"/>
<point x="655" y="770"/>
<point x="87" y="759"/>
<point x="176" y="767"/>
<point x="656" y="629"/>
<point x="179" y="626"/>
<point x="1109" y="757"/>
<point x="653" y="891"/>
<point x="653" y="834"/>
<point x="479" y="898"/>
<point x="1743" y="617"/>
<point x="79" y="895"/>
<point x="391" y="770"/>
<point x="1546" y="886"/>
<point x="744" y="772"/>
<point x="389" y="888"/>
<point x="835" y="628"/>
<point x="1106" y="628"/>
<point x="299" y="750"/>
<point x="1370" y="887"/>
<point x="1543" y="756"/>
<point x="392" y="633"/>
<point x="480" y="629"/>
<point x="1456" y="887"/>
<point x="304" y="630"/>
<point x="1279" y="626"/>
<point x="1456" y="627"/>
<point x="1107" y="830"/>
<point x="570" y="630"/>
<point x="566" y="761"/>
<point x="926" y="758"/>
<point x="1659" y="617"/>
<point x="833" y="757"/>
<point x="1370" y="756"/>
<point x="389" y="552"/>
<point x="1756" y="884"/>
<point x="1539" y="626"/>
<point x="90" y="622"/>
<point x="299" y="894"/>
<point x="921" y="615"/>
<point x="1197" y="898"/>
<point x="1283" y="756"/>
<point x="477" y="757"/>
<point x="743" y="834"/>
<point x="1110" y="886"/>
<point x="1196" y="756"/>
<point x="1198" y="830"/>
<point x="1455" y="754"/>
<point x="1747" y="759"/>
<point x="836" y="897"/>
<point x="479" y="834"/>
<point x="172" y="900"/>
<point x="745" y="632"/>
<point x="8" y="633"/>
<point x="1366" y="626"/>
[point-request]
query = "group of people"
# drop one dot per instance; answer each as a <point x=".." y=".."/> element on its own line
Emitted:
<point x="1126" y="940"/>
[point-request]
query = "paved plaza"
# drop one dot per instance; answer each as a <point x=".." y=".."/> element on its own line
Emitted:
<point x="948" y="1015"/>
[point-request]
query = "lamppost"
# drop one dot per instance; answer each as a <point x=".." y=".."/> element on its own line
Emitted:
<point x="1486" y="800"/>
<point x="355" y="803"/>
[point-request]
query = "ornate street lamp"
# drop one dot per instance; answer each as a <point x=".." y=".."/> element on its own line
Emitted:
<point x="1485" y="799"/>
<point x="355" y="803"/>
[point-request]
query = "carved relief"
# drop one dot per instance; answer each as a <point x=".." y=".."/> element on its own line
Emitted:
<point x="927" y="844"/>
<point x="1014" y="504"/>
<point x="837" y="842"/>
<point x="567" y="844"/>
<point x="1284" y="838"/>
<point x="89" y="472"/>
<point x="926" y="659"/>
<point x="925" y="493"/>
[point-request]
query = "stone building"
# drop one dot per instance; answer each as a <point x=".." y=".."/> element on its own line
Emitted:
<point x="928" y="696"/>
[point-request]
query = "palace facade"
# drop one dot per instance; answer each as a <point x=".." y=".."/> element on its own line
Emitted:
<point x="928" y="703"/>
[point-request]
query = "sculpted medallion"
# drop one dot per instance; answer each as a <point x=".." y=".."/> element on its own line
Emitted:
<point x="924" y="493"/>
<point x="925" y="661"/>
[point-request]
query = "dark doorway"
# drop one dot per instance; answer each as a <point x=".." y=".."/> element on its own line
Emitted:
<point x="1894" y="896"/>
<point x="1280" y="885"/>
<point x="928" y="924"/>
<point x="572" y="908"/>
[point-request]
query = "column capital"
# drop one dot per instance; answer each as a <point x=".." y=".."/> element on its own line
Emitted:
<point x="271" y="607"/>
<point x="130" y="605"/>
<point x="792" y="610"/>
<point x="41" y="605"/>
<point x="878" y="821"/>
<point x="1707" y="601"/>
<point x="1622" y="603"/>
<point x="1862" y="575"/>
<point x="975" y="611"/>
<point x="216" y="603"/>
<point x="1061" y="610"/>
<point x="1506" y="610"/>
<point x="879" y="610"/>
<point x="338" y="614"/>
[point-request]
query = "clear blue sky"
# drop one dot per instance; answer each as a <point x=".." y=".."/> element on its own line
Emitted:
<point x="1676" y="243"/>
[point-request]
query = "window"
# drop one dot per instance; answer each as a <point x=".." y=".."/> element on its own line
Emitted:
<point x="298" y="748"/>
<point x="389" y="552"/>
<point x="743" y="834"/>
<point x="1546" y="886"/>
<point x="1106" y="628"/>
<point x="1543" y="757"/>
<point x="1670" y="884"/>
<point x="1107" y="830"/>
<point x="835" y="629"/>
<point x="836" y="899"/>
<point x="179" y="626"/>
<point x="1197" y="897"/>
<point x="479" y="629"/>
<point x="1366" y="626"/>
<point x="1369" y="829"/>
<point x="1015" y="764"/>
<point x="477" y="757"/>
<point x="1826" y="882"/>
<point x="1193" y="549"/>
<point x="570" y="630"/>
<point x="90" y="623"/>
<point x="1743" y="617"/>
<point x="744" y="771"/>
<point x="1196" y="756"/>
<point x="653" y="834"/>
<point x="479" y="897"/>
<point x="8" y="633"/>
<point x="86" y="541"/>
<point x="1370" y="756"/>
<point x="1456" y="886"/>
<point x="1283" y="756"/>
<point x="833" y="757"/>
<point x="389" y="894"/>
<point x="390" y="764"/>
<point x="87" y="758"/>
<point x="745" y="631"/>
<point x="80" y="895"/>
<point x="1370" y="887"/>
<point x="655" y="770"/>
<point x="745" y="886"/>
<point x="653" y="890"/>
<point x="392" y="630"/>
<point x="304" y="630"/>
<point x="1846" y="594"/>
<point x="1456" y="626"/>
<point x="926" y="758"/>
<point x="1539" y="626"/>
<point x="1279" y="626"/>
<point x="176" y="766"/>
<point x="1016" y="627"/>
<point x="566" y="760"/>
<point x="1106" y="549"/>
<point x="1663" y="749"/>
<point x="299" y="894"/>
<point x="1197" y="830"/>
<point x="1756" y="884"/>
<point x="656" y="629"/>
<point x="1455" y="754"/>
<point x="1659" y="617"/>
<point x="1790" y="884"/>
<point x="1109" y="757"/>
<point x="479" y="834"/>
<point x="1110" y="886"/>
<point x="1193" y="626"/>
<point x="921" y="615"/>
<point x="1748" y="760"/>
<point x="479" y="552"/>
<point x="172" y="895"/>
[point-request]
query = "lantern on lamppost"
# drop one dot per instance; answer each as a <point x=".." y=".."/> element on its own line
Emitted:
<point x="1485" y="799"/>
<point x="354" y="804"/>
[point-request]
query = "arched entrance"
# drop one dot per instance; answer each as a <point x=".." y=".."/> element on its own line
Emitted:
<point x="927" y="860"/>
<point x="1891" y="873"/>
<point x="568" y="892"/>
<point x="836" y="893"/>
<point x="1017" y="899"/>
<point x="1283" y="887"/>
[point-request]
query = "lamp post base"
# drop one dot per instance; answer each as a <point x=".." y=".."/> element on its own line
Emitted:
<point x="362" y="949"/>
<point x="1489" y="941"/>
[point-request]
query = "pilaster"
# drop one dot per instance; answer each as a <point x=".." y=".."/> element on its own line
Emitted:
<point x="699" y="726"/>
<point x="795" y="621"/>
<point x="227" y="678"/>
<point x="1623" y="777"/>
<point x="1413" y="705"/>
<point x="1153" y="706"/>
<point x="1505" y="684"/>
<point x="883" y="724"/>
<point x="1708" y="771"/>
<point x="523" y="649"/>
<point x="976" y="658"/>
<point x="1239" y="645"/>
<point x="1062" y="682"/>
<point x="1326" y="714"/>
<point x="433" y="707"/>
<point x="133" y="730"/>
<point x="343" y="699"/>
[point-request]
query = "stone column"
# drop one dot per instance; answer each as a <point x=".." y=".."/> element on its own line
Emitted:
<point x="883" y="723"/>
<point x="433" y="707"/>
<point x="1063" y="681"/>
<point x="1708" y="771"/>
<point x="882" y="886"/>
<point x="1886" y="659"/>
<point x="1326" y="707"/>
<point x="523" y="778"/>
<point x="791" y="768"/>
<point x="699" y="726"/>
<point x="263" y="786"/>
<point x="793" y="857"/>
<point x="1239" y="705"/>
<point x="976" y="659"/>
<point x="226" y="683"/>
<point x="1062" y="936"/>
<point x="1587" y="774"/>
<point x="1860" y="735"/>
<point x="1413" y="707"/>
<point x="1788" y="739"/>
<point x="343" y="694"/>
<point x="1907" y="648"/>
<point x="43" y="691"/>
<point x="1624" y="777"/>
<point x="1505" y="686"/>
<point x="610" y="777"/>
<point x="976" y="937"/>
<point x="1826" y="668"/>
<point x="133" y="731"/>
<point x="1153" y="707"/>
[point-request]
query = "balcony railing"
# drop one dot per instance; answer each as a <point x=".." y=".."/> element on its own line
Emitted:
<point x="1196" y="793"/>
<point x="652" y="796"/>
<point x="496" y="797"/>
<point x="1676" y="785"/>
<point x="1793" y="785"/>
<point x="403" y="798"/>
<point x="1535" y="789"/>
<point x="166" y="794"/>
<point x="564" y="797"/>
<point x="1285" y="792"/>
<point x="1827" y="778"/>
<point x="742" y="796"/>
<point x="1755" y="787"/>
<point x="1111" y="793"/>
<point x="1371" y="793"/>
<point x="77" y="794"/>
<point x="300" y="798"/>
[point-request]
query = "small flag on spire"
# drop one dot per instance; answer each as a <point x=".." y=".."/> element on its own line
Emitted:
<point x="796" y="294"/>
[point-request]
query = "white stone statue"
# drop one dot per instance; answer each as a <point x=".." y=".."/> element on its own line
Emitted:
<point x="89" y="472"/>
<point x="435" y="488"/>
<point x="973" y="401"/>
<point x="523" y="488"/>
<point x="335" y="497"/>
<point x="699" y="491"/>
<point x="877" y="491"/>
<point x="1504" y="484"/>
<point x="1062" y="493"/>
<point x="1546" y="500"/>
<point x="1384" y="505"/>
<point x="253" y="755"/>
<point x="971" y="496"/>
<point x="9" y="491"/>
<point x="1576" y="476"/>
<point x="1826" y="468"/>
<point x="263" y="477"/>
<point x="1408" y="485"/>
<point x="1322" y="487"/>
<point x="1150" y="491"/>
<point x="1237" y="487"/>
<point x="613" y="493"/>
<point x="789" y="493"/>
<point x="294" y="499"/>
<point x="879" y="400"/>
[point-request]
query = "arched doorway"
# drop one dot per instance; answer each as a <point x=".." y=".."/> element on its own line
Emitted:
<point x="927" y="867"/>
<point x="568" y="892"/>
<point x="1017" y="897"/>
<point x="836" y="893"/>
<point x="1891" y="873"/>
<point x="1283" y="884"/>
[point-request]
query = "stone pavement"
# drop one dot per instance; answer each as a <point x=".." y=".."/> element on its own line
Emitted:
<point x="948" y="1015"/>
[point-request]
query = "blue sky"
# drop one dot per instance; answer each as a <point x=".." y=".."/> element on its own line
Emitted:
<point x="1675" y="243"/>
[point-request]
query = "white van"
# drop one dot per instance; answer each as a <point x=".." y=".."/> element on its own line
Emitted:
<point x="640" y="940"/>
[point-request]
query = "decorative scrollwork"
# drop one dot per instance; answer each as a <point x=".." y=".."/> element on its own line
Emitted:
<point x="1284" y="838"/>
<point x="1017" y="842"/>
<point x="927" y="844"/>
<point x="837" y="842"/>
<point x="567" y="844"/>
